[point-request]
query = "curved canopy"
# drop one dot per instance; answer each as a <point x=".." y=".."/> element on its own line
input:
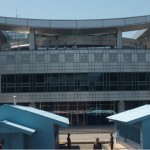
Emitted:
<point x="74" y="26"/>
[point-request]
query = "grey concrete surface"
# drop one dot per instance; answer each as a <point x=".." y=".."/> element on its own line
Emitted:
<point x="85" y="138"/>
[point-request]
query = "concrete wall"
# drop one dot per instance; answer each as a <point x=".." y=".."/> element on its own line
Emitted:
<point x="75" y="61"/>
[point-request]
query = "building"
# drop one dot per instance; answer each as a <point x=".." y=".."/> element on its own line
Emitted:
<point x="132" y="127"/>
<point x="73" y="67"/>
<point x="24" y="127"/>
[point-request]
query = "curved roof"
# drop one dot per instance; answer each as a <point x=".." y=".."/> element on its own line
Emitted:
<point x="23" y="25"/>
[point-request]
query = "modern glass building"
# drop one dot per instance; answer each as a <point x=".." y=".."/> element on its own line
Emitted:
<point x="82" y="69"/>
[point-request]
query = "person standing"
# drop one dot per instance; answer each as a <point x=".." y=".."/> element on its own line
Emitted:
<point x="1" y="145"/>
<point x="68" y="141"/>
<point x="111" y="141"/>
<point x="97" y="145"/>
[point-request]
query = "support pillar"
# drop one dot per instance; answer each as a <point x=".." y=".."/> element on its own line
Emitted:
<point x="32" y="105"/>
<point x="32" y="39"/>
<point x="121" y="106"/>
<point x="119" y="38"/>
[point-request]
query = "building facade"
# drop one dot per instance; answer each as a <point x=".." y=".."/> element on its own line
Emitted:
<point x="73" y="68"/>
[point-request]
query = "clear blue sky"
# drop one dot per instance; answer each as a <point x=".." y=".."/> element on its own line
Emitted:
<point x="74" y="9"/>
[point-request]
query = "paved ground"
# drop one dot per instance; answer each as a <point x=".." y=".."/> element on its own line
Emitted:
<point x="87" y="129"/>
<point x="83" y="141"/>
<point x="81" y="138"/>
<point x="104" y="147"/>
<point x="90" y="147"/>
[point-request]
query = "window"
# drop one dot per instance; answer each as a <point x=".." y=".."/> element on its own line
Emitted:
<point x="69" y="82"/>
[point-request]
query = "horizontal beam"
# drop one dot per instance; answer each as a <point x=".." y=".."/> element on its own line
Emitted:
<point x="126" y="24"/>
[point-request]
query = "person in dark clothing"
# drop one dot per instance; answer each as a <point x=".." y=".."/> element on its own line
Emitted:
<point x="97" y="145"/>
<point x="111" y="141"/>
<point x="1" y="145"/>
<point x="68" y="141"/>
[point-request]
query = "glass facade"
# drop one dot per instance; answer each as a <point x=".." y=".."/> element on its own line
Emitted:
<point x="71" y="82"/>
<point x="75" y="69"/>
<point x="16" y="35"/>
<point x="77" y="83"/>
<point x="83" y="113"/>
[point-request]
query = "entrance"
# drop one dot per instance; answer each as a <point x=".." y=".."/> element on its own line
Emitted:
<point x="84" y="113"/>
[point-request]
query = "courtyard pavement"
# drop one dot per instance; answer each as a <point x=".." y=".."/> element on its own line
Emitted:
<point x="85" y="141"/>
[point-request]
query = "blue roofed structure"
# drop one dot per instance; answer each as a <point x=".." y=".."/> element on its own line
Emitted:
<point x="29" y="128"/>
<point x="59" y="119"/>
<point x="132" y="127"/>
<point x="132" y="116"/>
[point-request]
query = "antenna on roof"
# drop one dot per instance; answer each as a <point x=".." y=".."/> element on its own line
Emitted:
<point x="14" y="99"/>
<point x="16" y="14"/>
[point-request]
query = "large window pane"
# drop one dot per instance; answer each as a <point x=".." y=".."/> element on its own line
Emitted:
<point x="70" y="82"/>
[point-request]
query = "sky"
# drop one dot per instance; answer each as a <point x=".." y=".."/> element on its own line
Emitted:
<point x="74" y="9"/>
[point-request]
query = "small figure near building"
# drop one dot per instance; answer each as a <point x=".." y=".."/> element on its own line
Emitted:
<point x="97" y="145"/>
<point x="111" y="141"/>
<point x="1" y="145"/>
<point x="68" y="141"/>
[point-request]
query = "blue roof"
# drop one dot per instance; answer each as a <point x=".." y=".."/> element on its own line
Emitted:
<point x="43" y="113"/>
<point x="132" y="116"/>
<point x="18" y="127"/>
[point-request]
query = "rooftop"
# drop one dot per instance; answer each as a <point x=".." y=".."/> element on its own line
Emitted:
<point x="69" y="26"/>
<point x="42" y="113"/>
<point x="132" y="116"/>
